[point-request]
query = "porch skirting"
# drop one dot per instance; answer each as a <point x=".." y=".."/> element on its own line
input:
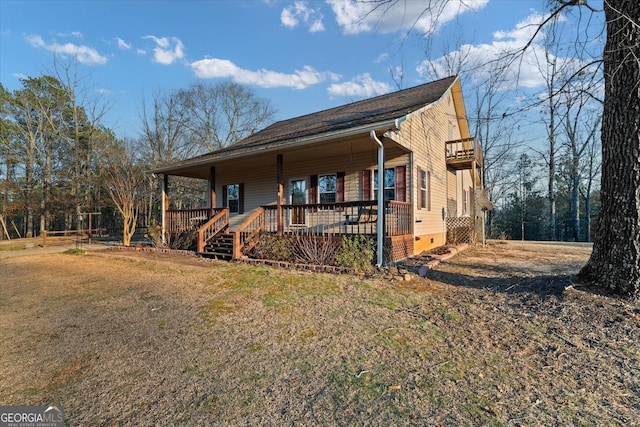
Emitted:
<point x="398" y="248"/>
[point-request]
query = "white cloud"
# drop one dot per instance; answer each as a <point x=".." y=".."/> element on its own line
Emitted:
<point x="77" y="34"/>
<point x="383" y="57"/>
<point x="20" y="76"/>
<point x="221" y="68"/>
<point x="167" y="50"/>
<point x="480" y="59"/>
<point x="298" y="13"/>
<point x="84" y="54"/>
<point x="363" y="86"/>
<point x="123" y="44"/>
<point x="103" y="91"/>
<point x="356" y="16"/>
<point x="141" y="51"/>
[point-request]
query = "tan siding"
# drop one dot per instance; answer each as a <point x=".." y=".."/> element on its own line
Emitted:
<point x="260" y="184"/>
<point x="425" y="134"/>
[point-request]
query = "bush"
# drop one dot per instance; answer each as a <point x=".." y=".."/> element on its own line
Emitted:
<point x="317" y="250"/>
<point x="185" y="240"/>
<point x="356" y="252"/>
<point x="274" y="247"/>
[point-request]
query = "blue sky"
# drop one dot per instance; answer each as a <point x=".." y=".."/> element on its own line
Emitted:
<point x="304" y="56"/>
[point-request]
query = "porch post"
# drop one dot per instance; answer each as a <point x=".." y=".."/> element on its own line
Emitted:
<point x="279" y="212"/>
<point x="212" y="188"/>
<point x="165" y="206"/>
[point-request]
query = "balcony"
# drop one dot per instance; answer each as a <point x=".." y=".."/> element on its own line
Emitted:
<point x="463" y="154"/>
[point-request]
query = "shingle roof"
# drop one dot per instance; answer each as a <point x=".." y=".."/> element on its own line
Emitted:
<point x="381" y="108"/>
<point x="389" y="106"/>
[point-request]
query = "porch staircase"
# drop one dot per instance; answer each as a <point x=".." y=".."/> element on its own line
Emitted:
<point x="220" y="247"/>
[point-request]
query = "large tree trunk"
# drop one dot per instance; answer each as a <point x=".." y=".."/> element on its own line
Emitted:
<point x="615" y="261"/>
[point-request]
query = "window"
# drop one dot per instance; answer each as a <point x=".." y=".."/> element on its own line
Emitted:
<point x="327" y="185"/>
<point x="389" y="184"/>
<point x="425" y="189"/>
<point x="464" y="202"/>
<point x="233" y="198"/>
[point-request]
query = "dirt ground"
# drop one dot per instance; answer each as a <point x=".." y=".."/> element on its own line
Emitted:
<point x="496" y="335"/>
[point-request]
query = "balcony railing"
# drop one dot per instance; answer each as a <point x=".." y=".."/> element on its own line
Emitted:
<point x="461" y="153"/>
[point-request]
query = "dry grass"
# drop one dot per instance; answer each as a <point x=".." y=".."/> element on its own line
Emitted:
<point x="490" y="338"/>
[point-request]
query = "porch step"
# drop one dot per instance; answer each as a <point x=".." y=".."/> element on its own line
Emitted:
<point x="220" y="248"/>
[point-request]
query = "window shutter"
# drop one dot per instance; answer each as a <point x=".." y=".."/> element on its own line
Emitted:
<point x="313" y="189"/>
<point x="240" y="198"/>
<point x="366" y="184"/>
<point x="224" y="196"/>
<point x="419" y="187"/>
<point x="340" y="186"/>
<point x="340" y="189"/>
<point x="401" y="183"/>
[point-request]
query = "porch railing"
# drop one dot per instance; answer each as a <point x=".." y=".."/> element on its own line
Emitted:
<point x="246" y="236"/>
<point x="327" y="219"/>
<point x="212" y="228"/>
<point x="179" y="220"/>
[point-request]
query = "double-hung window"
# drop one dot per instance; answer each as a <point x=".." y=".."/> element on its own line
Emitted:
<point x="389" y="184"/>
<point x="233" y="198"/>
<point x="327" y="185"/>
<point x="424" y="189"/>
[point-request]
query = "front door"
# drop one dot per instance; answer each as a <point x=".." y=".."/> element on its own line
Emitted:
<point x="298" y="197"/>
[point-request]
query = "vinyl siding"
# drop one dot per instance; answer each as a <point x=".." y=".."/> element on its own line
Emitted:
<point x="260" y="184"/>
<point x="425" y="134"/>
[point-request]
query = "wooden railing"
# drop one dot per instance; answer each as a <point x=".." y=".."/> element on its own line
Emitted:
<point x="464" y="149"/>
<point x="328" y="219"/>
<point x="398" y="219"/>
<point x="246" y="236"/>
<point x="179" y="220"/>
<point x="212" y="227"/>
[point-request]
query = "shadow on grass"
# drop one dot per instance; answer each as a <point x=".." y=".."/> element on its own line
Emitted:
<point x="519" y="286"/>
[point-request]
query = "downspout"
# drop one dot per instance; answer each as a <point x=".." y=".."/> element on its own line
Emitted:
<point x="380" y="222"/>
<point x="164" y="208"/>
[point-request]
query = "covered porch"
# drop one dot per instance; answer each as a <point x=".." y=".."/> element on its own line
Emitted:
<point x="223" y="235"/>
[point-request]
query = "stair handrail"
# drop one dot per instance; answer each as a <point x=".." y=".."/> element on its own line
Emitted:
<point x="218" y="223"/>
<point x="244" y="236"/>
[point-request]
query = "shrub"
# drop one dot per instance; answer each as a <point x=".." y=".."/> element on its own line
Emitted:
<point x="274" y="247"/>
<point x="185" y="240"/>
<point x="317" y="250"/>
<point x="356" y="252"/>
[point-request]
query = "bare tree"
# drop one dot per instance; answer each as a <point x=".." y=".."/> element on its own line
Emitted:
<point x="222" y="114"/>
<point x="125" y="180"/>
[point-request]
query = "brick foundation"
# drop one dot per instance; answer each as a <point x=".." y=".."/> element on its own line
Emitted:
<point x="397" y="248"/>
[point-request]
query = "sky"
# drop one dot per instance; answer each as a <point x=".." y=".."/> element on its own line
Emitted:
<point x="303" y="56"/>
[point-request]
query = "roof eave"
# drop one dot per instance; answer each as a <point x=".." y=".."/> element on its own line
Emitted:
<point x="382" y="126"/>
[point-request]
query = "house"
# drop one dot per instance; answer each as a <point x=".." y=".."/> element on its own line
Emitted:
<point x="318" y="174"/>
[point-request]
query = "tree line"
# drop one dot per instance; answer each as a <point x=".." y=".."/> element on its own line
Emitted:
<point x="59" y="162"/>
